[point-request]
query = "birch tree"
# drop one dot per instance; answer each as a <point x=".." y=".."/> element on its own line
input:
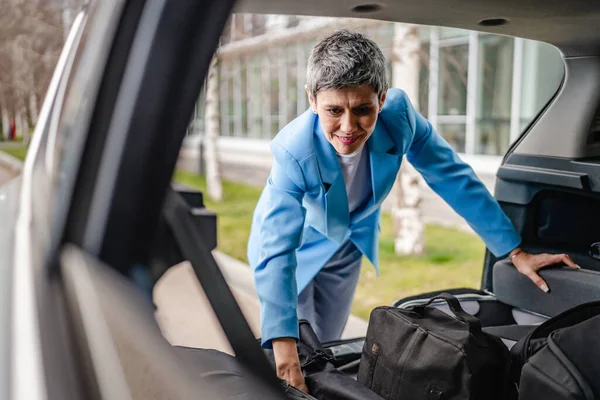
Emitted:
<point x="211" y="133"/>
<point x="406" y="194"/>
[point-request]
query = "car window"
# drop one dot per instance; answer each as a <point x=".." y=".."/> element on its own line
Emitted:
<point x="42" y="148"/>
<point x="479" y="90"/>
<point x="72" y="45"/>
<point x="81" y="88"/>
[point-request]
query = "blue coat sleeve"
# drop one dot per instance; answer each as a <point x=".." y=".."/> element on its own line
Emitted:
<point x="457" y="184"/>
<point x="281" y="224"/>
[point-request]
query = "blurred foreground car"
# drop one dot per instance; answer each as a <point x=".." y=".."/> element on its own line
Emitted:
<point x="95" y="204"/>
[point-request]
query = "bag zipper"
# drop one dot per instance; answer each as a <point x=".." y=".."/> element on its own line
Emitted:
<point x="463" y="297"/>
<point x="375" y="350"/>
<point x="317" y="356"/>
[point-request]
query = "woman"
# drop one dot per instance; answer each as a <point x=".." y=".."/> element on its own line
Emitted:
<point x="333" y="167"/>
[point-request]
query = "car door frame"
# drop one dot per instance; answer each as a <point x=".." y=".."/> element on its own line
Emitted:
<point x="137" y="77"/>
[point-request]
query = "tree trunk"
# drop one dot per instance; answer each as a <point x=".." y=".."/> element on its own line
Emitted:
<point x="406" y="214"/>
<point x="211" y="134"/>
<point x="3" y="119"/>
<point x="5" y="123"/>
<point x="33" y="108"/>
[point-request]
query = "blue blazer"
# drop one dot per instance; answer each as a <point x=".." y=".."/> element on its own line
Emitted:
<point x="302" y="217"/>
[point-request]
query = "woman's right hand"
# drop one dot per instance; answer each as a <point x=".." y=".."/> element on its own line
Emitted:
<point x="288" y="363"/>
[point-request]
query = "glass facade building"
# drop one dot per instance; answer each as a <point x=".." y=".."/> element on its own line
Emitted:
<point x="479" y="90"/>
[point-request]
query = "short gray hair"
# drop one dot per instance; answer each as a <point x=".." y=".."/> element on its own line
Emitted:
<point x="346" y="59"/>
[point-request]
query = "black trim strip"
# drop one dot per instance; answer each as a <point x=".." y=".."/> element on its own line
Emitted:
<point x="193" y="247"/>
<point x="575" y="180"/>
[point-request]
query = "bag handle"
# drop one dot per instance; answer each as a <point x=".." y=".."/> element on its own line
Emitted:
<point x="473" y="323"/>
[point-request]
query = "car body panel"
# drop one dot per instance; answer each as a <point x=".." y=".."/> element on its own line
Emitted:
<point x="9" y="205"/>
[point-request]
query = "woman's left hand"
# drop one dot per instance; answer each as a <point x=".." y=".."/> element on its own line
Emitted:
<point x="529" y="264"/>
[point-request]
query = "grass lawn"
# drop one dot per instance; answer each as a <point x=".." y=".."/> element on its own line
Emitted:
<point x="18" y="152"/>
<point x="453" y="258"/>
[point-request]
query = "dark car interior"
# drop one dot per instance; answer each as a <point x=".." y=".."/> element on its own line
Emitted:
<point x="120" y="198"/>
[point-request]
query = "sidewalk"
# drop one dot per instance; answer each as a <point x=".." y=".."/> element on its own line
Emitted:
<point x="187" y="319"/>
<point x="434" y="209"/>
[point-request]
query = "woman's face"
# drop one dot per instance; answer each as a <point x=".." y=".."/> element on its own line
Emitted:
<point x="347" y="115"/>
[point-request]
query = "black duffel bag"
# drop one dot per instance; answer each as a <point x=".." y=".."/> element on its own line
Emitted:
<point x="560" y="359"/>
<point x="567" y="368"/>
<point x="422" y="353"/>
